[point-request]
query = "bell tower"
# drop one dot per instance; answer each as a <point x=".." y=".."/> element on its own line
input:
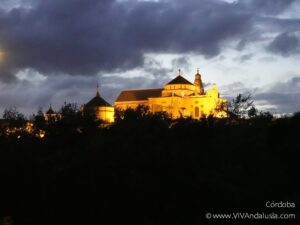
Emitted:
<point x="198" y="83"/>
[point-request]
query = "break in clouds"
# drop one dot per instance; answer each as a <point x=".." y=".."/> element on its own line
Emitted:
<point x="81" y="39"/>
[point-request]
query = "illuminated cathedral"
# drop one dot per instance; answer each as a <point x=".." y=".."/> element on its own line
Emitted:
<point x="178" y="98"/>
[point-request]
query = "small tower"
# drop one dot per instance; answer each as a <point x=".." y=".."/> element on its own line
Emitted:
<point x="50" y="111"/>
<point x="99" y="108"/>
<point x="213" y="92"/>
<point x="50" y="114"/>
<point x="198" y="83"/>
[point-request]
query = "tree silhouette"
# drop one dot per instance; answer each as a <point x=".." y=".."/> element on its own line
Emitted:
<point x="39" y="120"/>
<point x="14" y="118"/>
<point x="241" y="106"/>
<point x="147" y="168"/>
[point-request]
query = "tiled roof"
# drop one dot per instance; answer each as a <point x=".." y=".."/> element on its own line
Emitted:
<point x="50" y="111"/>
<point x="179" y="80"/>
<point x="139" y="95"/>
<point x="97" y="101"/>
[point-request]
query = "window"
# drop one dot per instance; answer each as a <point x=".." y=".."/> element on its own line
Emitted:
<point x="196" y="111"/>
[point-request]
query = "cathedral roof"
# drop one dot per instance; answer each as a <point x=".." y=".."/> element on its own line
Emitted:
<point x="50" y="111"/>
<point x="139" y="95"/>
<point x="97" y="101"/>
<point x="179" y="80"/>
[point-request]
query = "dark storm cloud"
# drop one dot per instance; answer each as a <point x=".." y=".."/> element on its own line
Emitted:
<point x="281" y="102"/>
<point x="72" y="37"/>
<point x="285" y="44"/>
<point x="279" y="97"/>
<point x="89" y="38"/>
<point x="267" y="6"/>
<point x="280" y="24"/>
<point x="28" y="96"/>
<point x="232" y="90"/>
<point x="153" y="67"/>
<point x="83" y="37"/>
<point x="284" y="96"/>
<point x="79" y="37"/>
<point x="181" y="63"/>
<point x="55" y="89"/>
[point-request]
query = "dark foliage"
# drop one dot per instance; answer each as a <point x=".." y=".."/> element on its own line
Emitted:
<point x="39" y="120"/>
<point x="242" y="106"/>
<point x="148" y="169"/>
<point x="14" y="118"/>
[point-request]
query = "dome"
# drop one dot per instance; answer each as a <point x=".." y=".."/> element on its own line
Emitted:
<point x="179" y="80"/>
<point x="97" y="101"/>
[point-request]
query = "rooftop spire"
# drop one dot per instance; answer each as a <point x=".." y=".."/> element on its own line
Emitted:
<point x="97" y="92"/>
<point x="179" y="72"/>
<point x="50" y="110"/>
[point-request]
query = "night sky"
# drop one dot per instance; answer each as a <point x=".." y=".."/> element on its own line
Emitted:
<point x="53" y="51"/>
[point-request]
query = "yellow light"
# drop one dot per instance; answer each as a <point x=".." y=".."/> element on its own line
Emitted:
<point x="42" y="135"/>
<point x="1" y="55"/>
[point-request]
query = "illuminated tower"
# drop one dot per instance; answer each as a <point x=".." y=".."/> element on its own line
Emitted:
<point x="198" y="83"/>
<point x="50" y="114"/>
<point x="99" y="108"/>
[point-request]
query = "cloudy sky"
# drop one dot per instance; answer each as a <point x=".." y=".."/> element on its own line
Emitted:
<point x="53" y="51"/>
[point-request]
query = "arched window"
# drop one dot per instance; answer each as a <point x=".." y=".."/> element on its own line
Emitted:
<point x="196" y="111"/>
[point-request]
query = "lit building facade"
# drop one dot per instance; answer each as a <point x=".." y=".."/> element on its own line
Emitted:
<point x="179" y="98"/>
<point x="51" y="115"/>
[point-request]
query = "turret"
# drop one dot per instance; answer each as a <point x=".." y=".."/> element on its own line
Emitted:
<point x="50" y="114"/>
<point x="213" y="92"/>
<point x="50" y="111"/>
<point x="198" y="83"/>
<point x="98" y="108"/>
